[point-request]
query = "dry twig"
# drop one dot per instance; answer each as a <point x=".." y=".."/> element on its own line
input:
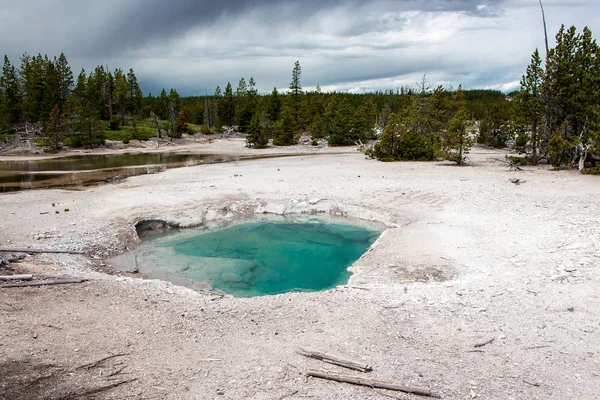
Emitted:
<point x="334" y="359"/>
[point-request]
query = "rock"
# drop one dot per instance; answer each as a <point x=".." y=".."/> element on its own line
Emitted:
<point x="11" y="257"/>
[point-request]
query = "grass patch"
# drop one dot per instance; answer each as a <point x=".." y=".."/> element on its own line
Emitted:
<point x="194" y="128"/>
<point x="7" y="136"/>
<point x="41" y="141"/>
<point x="143" y="131"/>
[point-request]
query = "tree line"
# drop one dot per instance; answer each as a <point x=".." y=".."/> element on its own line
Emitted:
<point x="78" y="112"/>
<point x="43" y="91"/>
<point x="554" y="117"/>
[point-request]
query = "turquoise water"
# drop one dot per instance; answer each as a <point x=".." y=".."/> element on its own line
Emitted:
<point x="257" y="258"/>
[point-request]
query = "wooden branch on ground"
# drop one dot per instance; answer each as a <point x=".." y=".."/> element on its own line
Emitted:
<point x="370" y="382"/>
<point x="535" y="347"/>
<point x="24" y="277"/>
<point x="5" y="250"/>
<point x="333" y="359"/>
<point x="45" y="283"/>
<point x="531" y="383"/>
<point x="484" y="343"/>
<point x="95" y="363"/>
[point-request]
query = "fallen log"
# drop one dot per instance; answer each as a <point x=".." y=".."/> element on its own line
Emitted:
<point x="45" y="283"/>
<point x="333" y="359"/>
<point x="24" y="277"/>
<point x="5" y="250"/>
<point x="370" y="382"/>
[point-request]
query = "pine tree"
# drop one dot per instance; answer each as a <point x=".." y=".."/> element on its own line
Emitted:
<point x="252" y="87"/>
<point x="65" y="79"/>
<point x="252" y="97"/>
<point x="109" y="91"/>
<point x="296" y="92"/>
<point x="318" y="128"/>
<point x="243" y="112"/>
<point x="51" y="90"/>
<point x="91" y="108"/>
<point x="135" y="94"/>
<point x="32" y="82"/>
<point x="256" y="136"/>
<point x="273" y="106"/>
<point x="120" y="95"/>
<point x="285" y="129"/>
<point x="530" y="99"/>
<point x="457" y="141"/>
<point x="9" y="86"/>
<point x="227" y="106"/>
<point x="342" y="126"/>
<point x="163" y="105"/>
<point x="54" y="129"/>
<point x="242" y="88"/>
<point x="388" y="147"/>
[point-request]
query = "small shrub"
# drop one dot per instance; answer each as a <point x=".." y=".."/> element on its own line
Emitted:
<point x="519" y="160"/>
<point x="591" y="171"/>
<point x="205" y="130"/>
<point x="558" y="149"/>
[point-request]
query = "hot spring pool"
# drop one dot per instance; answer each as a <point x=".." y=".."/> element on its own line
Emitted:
<point x="262" y="257"/>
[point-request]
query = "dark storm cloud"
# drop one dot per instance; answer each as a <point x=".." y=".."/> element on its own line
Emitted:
<point x="354" y="45"/>
<point x="137" y="23"/>
<point x="111" y="27"/>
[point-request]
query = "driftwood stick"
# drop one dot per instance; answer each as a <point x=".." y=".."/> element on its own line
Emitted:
<point x="24" y="277"/>
<point x="370" y="382"/>
<point x="484" y="343"/>
<point x="95" y="363"/>
<point x="45" y="283"/>
<point x="333" y="359"/>
<point x="5" y="250"/>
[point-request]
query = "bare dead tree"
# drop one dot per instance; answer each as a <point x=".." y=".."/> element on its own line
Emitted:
<point x="154" y="118"/>
<point x="545" y="29"/>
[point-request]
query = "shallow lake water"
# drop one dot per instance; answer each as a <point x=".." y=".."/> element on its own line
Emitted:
<point x="262" y="257"/>
<point x="95" y="168"/>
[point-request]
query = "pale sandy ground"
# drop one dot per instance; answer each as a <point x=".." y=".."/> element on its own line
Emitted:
<point x="467" y="257"/>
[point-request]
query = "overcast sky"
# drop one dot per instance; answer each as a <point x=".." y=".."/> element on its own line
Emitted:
<point x="195" y="45"/>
